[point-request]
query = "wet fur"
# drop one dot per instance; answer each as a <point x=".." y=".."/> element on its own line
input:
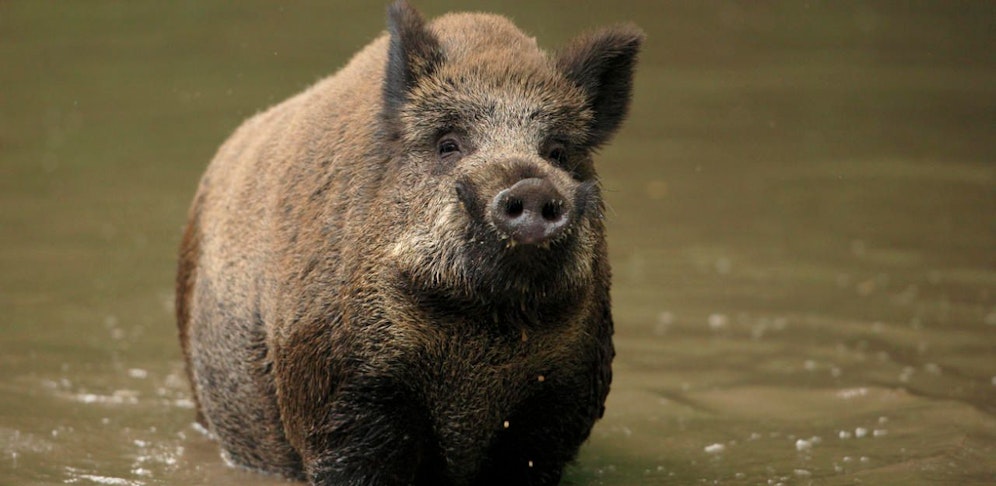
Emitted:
<point x="347" y="313"/>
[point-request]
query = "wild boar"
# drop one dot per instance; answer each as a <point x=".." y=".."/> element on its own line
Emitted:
<point x="400" y="275"/>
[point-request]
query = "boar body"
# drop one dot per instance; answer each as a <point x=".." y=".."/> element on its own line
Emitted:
<point x="399" y="276"/>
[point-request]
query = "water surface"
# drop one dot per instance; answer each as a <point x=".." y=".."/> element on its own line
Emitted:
<point x="801" y="226"/>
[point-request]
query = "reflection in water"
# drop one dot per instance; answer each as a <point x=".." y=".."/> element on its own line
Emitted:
<point x="800" y="221"/>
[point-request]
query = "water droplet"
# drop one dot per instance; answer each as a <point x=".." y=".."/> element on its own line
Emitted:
<point x="717" y="321"/>
<point x="803" y="445"/>
<point x="852" y="393"/>
<point x="714" y="448"/>
<point x="907" y="374"/>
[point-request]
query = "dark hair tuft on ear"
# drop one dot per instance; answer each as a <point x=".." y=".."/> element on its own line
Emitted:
<point x="602" y="63"/>
<point x="413" y="52"/>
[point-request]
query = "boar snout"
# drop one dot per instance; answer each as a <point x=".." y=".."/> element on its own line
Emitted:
<point x="531" y="211"/>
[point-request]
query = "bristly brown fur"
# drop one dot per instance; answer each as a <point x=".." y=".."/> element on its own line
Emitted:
<point x="352" y="306"/>
<point x="186" y="275"/>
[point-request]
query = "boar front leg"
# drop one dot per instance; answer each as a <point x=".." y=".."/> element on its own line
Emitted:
<point x="540" y="440"/>
<point x="350" y="429"/>
<point x="370" y="436"/>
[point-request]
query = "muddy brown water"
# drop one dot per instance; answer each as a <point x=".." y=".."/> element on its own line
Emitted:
<point x="802" y="228"/>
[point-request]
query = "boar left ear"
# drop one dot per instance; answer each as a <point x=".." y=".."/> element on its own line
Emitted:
<point x="413" y="53"/>
<point x="602" y="64"/>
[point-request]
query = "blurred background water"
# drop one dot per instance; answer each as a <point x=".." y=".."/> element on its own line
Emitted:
<point x="802" y="226"/>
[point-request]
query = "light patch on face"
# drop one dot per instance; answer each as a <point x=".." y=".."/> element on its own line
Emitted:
<point x="433" y="251"/>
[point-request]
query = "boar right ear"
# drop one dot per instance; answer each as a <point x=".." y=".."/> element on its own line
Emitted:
<point x="602" y="64"/>
<point x="413" y="53"/>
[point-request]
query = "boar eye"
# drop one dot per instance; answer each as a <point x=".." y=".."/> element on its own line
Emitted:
<point x="447" y="147"/>
<point x="557" y="154"/>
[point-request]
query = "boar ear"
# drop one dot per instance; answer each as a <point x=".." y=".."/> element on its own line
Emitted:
<point x="413" y="52"/>
<point x="602" y="63"/>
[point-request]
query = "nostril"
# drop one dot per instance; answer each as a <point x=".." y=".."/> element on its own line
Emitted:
<point x="514" y="207"/>
<point x="552" y="210"/>
<point x="531" y="211"/>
